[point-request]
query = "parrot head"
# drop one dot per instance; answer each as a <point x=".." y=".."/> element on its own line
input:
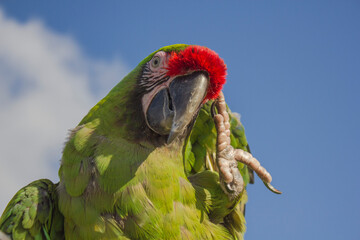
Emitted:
<point x="176" y="81"/>
<point x="157" y="101"/>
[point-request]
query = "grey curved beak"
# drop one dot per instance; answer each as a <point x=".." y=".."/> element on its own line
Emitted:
<point x="173" y="108"/>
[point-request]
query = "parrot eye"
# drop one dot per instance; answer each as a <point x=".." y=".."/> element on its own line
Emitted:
<point x="155" y="62"/>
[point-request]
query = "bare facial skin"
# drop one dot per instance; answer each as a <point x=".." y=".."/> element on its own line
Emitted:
<point x="156" y="70"/>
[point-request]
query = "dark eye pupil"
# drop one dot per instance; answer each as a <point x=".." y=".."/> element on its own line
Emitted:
<point x="156" y="62"/>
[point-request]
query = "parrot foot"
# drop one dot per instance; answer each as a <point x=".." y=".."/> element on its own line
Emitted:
<point x="231" y="180"/>
<point x="227" y="157"/>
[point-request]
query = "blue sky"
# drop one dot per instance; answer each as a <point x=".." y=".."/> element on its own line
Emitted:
<point x="293" y="75"/>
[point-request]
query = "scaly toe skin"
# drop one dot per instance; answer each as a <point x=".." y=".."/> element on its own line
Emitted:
<point x="247" y="159"/>
<point x="230" y="178"/>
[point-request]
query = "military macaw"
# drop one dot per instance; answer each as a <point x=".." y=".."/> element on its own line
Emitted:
<point x="160" y="157"/>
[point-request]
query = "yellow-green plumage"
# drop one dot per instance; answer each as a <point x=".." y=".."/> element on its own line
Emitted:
<point x="33" y="213"/>
<point x="118" y="180"/>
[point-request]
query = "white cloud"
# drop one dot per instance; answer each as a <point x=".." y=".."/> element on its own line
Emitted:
<point x="46" y="86"/>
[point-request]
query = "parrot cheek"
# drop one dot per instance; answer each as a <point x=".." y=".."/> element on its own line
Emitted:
<point x="173" y="108"/>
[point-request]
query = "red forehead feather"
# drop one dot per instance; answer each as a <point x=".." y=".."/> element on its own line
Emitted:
<point x="195" y="58"/>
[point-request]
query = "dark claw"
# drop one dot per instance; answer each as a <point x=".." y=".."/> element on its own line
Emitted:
<point x="229" y="188"/>
<point x="212" y="110"/>
<point x="271" y="188"/>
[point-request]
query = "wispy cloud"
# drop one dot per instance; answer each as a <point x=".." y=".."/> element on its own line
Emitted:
<point x="46" y="86"/>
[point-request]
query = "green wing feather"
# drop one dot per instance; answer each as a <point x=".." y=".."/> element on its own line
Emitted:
<point x="33" y="214"/>
<point x="200" y="166"/>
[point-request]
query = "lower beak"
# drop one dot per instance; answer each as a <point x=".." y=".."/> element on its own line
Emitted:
<point x="173" y="108"/>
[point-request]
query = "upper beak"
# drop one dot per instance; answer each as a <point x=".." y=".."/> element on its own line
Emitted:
<point x="173" y="108"/>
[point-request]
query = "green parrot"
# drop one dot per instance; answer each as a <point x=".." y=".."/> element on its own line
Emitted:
<point x="160" y="157"/>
